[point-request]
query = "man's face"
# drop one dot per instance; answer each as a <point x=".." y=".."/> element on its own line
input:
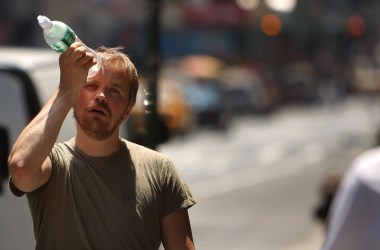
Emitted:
<point x="102" y="103"/>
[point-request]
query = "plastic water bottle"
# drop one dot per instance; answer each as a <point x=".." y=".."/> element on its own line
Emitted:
<point x="59" y="36"/>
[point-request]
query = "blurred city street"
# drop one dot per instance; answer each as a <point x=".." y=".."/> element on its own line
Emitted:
<point x="258" y="103"/>
<point x="256" y="183"/>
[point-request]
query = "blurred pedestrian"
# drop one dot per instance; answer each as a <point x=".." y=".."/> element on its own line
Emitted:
<point x="97" y="190"/>
<point x="327" y="193"/>
<point x="354" y="219"/>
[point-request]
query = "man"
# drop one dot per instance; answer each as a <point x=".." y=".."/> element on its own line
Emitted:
<point x="354" y="220"/>
<point x="97" y="191"/>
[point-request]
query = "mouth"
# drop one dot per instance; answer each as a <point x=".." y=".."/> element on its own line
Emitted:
<point x="98" y="111"/>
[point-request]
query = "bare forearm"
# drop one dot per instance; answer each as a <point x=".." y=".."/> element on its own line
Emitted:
<point x="28" y="162"/>
<point x="37" y="139"/>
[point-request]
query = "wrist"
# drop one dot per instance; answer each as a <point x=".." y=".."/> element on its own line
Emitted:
<point x="67" y="95"/>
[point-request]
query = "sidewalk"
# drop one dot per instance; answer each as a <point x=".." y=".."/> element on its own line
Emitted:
<point x="314" y="242"/>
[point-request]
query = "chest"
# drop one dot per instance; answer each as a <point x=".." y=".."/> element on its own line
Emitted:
<point x="123" y="189"/>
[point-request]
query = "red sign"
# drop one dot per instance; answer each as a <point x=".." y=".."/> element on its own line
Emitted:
<point x="216" y="15"/>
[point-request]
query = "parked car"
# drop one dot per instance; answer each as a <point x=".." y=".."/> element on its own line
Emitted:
<point x="249" y="90"/>
<point x="204" y="91"/>
<point x="174" y="115"/>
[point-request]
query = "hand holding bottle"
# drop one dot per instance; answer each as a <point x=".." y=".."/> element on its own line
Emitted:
<point x="74" y="64"/>
<point x="60" y="36"/>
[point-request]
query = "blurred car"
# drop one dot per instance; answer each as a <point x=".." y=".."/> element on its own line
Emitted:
<point x="206" y="98"/>
<point x="249" y="90"/>
<point x="174" y="115"/>
<point x="204" y="91"/>
<point x="299" y="83"/>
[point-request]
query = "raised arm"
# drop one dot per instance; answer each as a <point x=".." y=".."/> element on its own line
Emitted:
<point x="28" y="162"/>
<point x="176" y="231"/>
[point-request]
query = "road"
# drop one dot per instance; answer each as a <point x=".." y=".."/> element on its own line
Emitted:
<point x="256" y="183"/>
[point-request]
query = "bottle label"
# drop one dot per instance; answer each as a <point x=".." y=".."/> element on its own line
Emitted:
<point x="66" y="41"/>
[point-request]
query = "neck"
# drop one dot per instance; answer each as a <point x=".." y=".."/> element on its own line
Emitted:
<point x="97" y="148"/>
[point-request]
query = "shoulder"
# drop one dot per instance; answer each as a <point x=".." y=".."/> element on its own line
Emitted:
<point x="140" y="152"/>
<point x="62" y="153"/>
<point x="67" y="146"/>
<point x="366" y="168"/>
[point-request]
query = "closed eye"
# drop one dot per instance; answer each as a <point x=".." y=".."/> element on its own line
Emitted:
<point x="90" y="86"/>
<point x="114" y="90"/>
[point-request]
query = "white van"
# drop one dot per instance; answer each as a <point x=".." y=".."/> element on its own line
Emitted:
<point x="28" y="77"/>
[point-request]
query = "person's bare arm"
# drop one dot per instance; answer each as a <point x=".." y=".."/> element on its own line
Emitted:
<point x="28" y="162"/>
<point x="176" y="231"/>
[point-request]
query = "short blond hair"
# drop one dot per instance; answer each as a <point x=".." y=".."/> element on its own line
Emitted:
<point x="115" y="55"/>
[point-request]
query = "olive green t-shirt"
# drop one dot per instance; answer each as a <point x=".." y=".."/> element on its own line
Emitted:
<point x="113" y="202"/>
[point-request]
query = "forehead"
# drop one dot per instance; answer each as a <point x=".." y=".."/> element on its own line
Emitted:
<point x="116" y="74"/>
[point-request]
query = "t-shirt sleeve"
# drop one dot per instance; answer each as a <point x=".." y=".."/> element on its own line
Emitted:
<point x="53" y="158"/>
<point x="15" y="191"/>
<point x="176" y="193"/>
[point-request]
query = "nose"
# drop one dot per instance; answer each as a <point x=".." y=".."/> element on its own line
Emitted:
<point x="100" y="97"/>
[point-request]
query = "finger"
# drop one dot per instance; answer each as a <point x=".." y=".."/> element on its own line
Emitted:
<point x="73" y="53"/>
<point x="89" y="64"/>
<point x="87" y="57"/>
<point x="71" y="49"/>
<point x="75" y="45"/>
<point x="78" y="53"/>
